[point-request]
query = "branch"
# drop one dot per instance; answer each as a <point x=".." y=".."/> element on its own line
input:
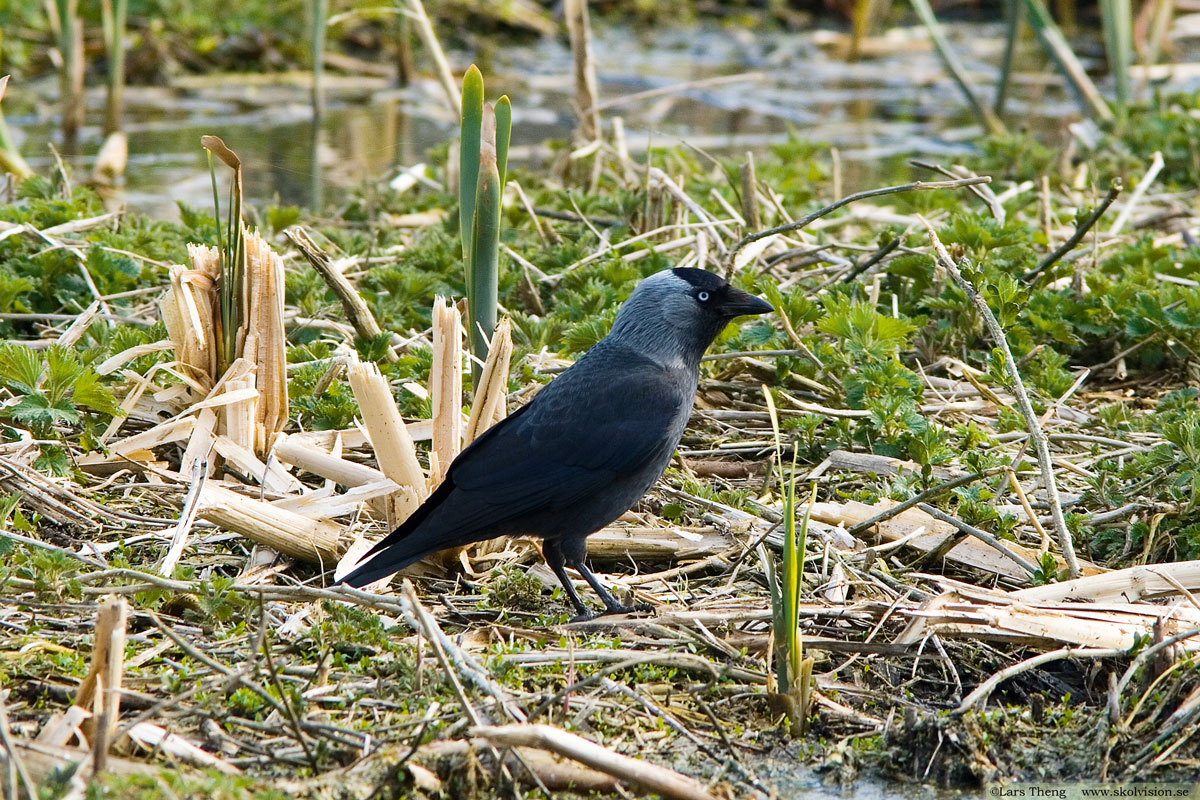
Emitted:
<point x="1018" y="388"/>
<point x="918" y="186"/>
<point x="1114" y="189"/>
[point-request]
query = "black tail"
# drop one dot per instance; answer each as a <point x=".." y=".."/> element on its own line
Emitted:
<point x="393" y="553"/>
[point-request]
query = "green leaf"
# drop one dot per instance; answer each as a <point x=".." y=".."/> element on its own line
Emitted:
<point x="63" y="369"/>
<point x="36" y="410"/>
<point x="468" y="155"/>
<point x="503" y="136"/>
<point x="91" y="393"/>
<point x="20" y="368"/>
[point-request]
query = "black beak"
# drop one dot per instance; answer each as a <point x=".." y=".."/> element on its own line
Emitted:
<point x="736" y="303"/>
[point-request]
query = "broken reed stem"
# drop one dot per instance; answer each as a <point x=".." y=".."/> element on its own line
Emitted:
<point x="265" y="341"/>
<point x="1034" y="427"/>
<point x="292" y="534"/>
<point x="1114" y="190"/>
<point x="917" y="186"/>
<point x="446" y="386"/>
<point x="357" y="312"/>
<point x="488" y="406"/>
<point x="586" y="94"/>
<point x="102" y="686"/>
<point x="390" y="439"/>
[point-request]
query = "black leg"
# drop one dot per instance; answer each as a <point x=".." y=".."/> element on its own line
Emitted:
<point x="611" y="606"/>
<point x="556" y="561"/>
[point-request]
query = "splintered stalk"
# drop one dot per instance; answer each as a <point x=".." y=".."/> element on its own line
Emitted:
<point x="113" y="14"/>
<point x="1116" y="17"/>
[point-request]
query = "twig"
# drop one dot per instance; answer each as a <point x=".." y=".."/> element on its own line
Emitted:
<point x="652" y="777"/>
<point x="1114" y="189"/>
<point x="917" y="186"/>
<point x="356" y="309"/>
<point x="1135" y="197"/>
<point x="291" y="714"/>
<point x="928" y="494"/>
<point x="1018" y="389"/>
<point x="981" y="535"/>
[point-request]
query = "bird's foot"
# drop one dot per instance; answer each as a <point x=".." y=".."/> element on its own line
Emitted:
<point x="584" y="616"/>
<point x="639" y="608"/>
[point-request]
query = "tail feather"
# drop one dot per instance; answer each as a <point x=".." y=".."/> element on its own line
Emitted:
<point x="402" y="547"/>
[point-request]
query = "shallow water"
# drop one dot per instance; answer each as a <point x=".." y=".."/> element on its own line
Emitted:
<point x="876" y="111"/>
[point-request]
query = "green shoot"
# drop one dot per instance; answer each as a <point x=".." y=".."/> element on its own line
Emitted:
<point x="233" y="251"/>
<point x="483" y="168"/>
<point x="793" y="671"/>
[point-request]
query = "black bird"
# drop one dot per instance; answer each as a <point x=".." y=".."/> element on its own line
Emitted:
<point x="588" y="445"/>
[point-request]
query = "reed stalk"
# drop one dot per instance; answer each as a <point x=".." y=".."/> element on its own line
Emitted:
<point x="70" y="46"/>
<point x="793" y="670"/>
<point x="113" y="14"/>
<point x="483" y="166"/>
<point x="1056" y="45"/>
<point x="1116" y="17"/>
<point x="233" y="253"/>
<point x="1013" y="14"/>
<point x="319" y="11"/>
<point x="957" y="71"/>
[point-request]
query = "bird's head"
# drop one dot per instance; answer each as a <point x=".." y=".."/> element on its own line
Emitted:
<point x="677" y="313"/>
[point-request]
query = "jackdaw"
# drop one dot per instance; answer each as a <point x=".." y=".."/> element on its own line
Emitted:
<point x="588" y="445"/>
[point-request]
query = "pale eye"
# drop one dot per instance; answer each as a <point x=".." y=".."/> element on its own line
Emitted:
<point x="702" y="297"/>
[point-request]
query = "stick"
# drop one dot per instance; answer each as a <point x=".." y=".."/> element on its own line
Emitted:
<point x="917" y="499"/>
<point x="650" y="777"/>
<point x="356" y="309"/>
<point x="1155" y="167"/>
<point x="1018" y="388"/>
<point x="1114" y="189"/>
<point x="917" y="186"/>
<point x="981" y="535"/>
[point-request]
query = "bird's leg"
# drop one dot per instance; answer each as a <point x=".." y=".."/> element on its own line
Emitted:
<point x="611" y="606"/>
<point x="557" y="562"/>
